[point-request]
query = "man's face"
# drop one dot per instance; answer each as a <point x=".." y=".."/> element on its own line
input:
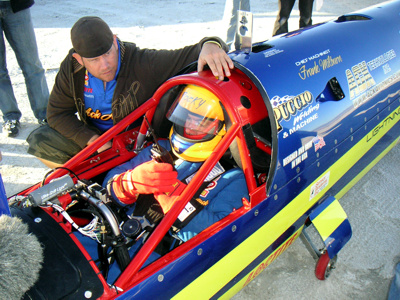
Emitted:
<point x="103" y="67"/>
<point x="198" y="127"/>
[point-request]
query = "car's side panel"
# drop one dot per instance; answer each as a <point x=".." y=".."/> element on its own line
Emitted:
<point x="264" y="232"/>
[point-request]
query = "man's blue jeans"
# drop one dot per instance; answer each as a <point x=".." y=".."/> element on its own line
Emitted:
<point x="18" y="29"/>
<point x="394" y="289"/>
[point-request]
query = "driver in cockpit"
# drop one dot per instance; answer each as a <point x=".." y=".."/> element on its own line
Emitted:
<point x="147" y="187"/>
<point x="198" y="126"/>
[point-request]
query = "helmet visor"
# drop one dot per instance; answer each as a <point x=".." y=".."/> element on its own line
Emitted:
<point x="197" y="114"/>
<point x="194" y="126"/>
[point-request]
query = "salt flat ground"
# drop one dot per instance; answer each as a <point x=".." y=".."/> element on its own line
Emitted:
<point x="365" y="265"/>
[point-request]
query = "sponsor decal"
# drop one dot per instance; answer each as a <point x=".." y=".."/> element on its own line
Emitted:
<point x="54" y="191"/>
<point x="288" y="106"/>
<point x="363" y="87"/>
<point x="98" y="115"/>
<point x="359" y="80"/>
<point x="210" y="187"/>
<point x="213" y="177"/>
<point x="305" y="114"/>
<point x="386" y="69"/>
<point x="319" y="186"/>
<point x="320" y="62"/>
<point x="296" y="157"/>
<point x="202" y="202"/>
<point x="88" y="96"/>
<point x="272" y="52"/>
<point x="87" y="91"/>
<point x="86" y="78"/>
<point x="178" y="187"/>
<point x="303" y="123"/>
<point x="312" y="57"/>
<point x="215" y="172"/>
<point x="270" y="259"/>
<point x="393" y="117"/>
<point x="381" y="60"/>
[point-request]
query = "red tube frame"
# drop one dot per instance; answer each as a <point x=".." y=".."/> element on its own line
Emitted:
<point x="131" y="274"/>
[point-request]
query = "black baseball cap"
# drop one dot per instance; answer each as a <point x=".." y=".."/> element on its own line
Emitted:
<point x="91" y="37"/>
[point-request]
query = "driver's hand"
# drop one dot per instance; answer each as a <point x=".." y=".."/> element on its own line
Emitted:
<point x="148" y="178"/>
<point x="151" y="177"/>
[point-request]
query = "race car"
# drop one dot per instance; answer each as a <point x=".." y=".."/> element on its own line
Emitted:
<point x="308" y="113"/>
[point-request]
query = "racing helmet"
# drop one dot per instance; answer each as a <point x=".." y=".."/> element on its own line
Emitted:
<point x="198" y="124"/>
